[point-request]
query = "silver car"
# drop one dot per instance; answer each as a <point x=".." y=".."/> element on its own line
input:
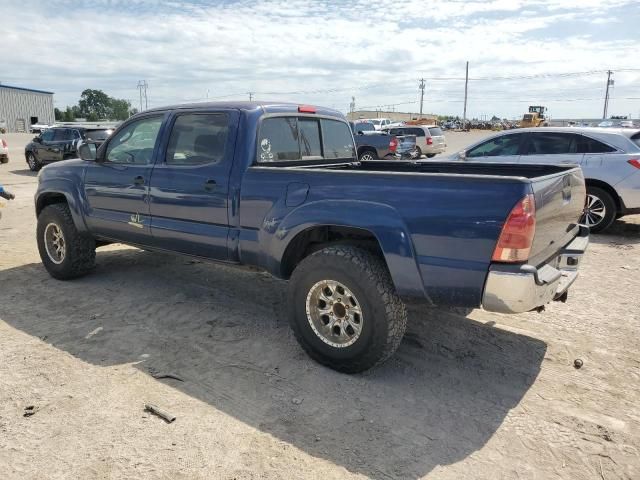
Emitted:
<point x="610" y="160"/>
<point x="429" y="138"/>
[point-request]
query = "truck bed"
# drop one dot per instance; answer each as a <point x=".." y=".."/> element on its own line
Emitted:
<point x="457" y="168"/>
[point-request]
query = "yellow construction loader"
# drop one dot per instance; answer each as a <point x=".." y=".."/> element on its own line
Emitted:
<point x="535" y="118"/>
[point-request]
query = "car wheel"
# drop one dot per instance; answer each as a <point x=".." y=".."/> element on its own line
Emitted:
<point x="418" y="152"/>
<point x="65" y="252"/>
<point x="431" y="155"/>
<point x="344" y="310"/>
<point x="33" y="162"/>
<point x="4" y="160"/>
<point x="599" y="210"/>
<point x="368" y="155"/>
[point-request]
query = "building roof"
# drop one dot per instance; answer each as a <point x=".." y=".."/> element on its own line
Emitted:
<point x="2" y="85"/>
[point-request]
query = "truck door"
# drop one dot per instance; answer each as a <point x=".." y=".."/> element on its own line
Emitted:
<point x="190" y="184"/>
<point x="117" y="185"/>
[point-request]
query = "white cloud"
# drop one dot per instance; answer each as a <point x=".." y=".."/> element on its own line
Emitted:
<point x="371" y="50"/>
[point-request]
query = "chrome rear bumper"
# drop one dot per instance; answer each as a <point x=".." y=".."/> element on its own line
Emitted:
<point x="520" y="288"/>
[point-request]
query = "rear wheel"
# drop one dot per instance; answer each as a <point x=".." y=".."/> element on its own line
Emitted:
<point x="431" y="155"/>
<point x="418" y="152"/>
<point x="33" y="162"/>
<point x="599" y="210"/>
<point x="65" y="252"/>
<point x="344" y="310"/>
<point x="368" y="155"/>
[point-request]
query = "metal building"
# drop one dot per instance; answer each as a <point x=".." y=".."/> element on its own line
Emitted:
<point x="22" y="107"/>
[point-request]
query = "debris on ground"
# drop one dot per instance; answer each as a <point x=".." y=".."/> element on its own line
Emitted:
<point x="166" y="416"/>
<point x="577" y="363"/>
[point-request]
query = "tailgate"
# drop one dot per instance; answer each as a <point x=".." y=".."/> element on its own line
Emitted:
<point x="406" y="143"/>
<point x="559" y="204"/>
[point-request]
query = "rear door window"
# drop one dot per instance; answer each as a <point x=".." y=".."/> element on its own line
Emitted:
<point x="418" y="132"/>
<point x="62" y="135"/>
<point x="435" y="131"/>
<point x="496" y="147"/>
<point x="591" y="145"/>
<point x="551" y="143"/>
<point x="47" y="135"/>
<point x="337" y="139"/>
<point x="197" y="139"/>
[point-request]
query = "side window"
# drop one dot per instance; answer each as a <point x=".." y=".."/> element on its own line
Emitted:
<point x="134" y="143"/>
<point x="552" y="143"/>
<point x="337" y="138"/>
<point x="278" y="140"/>
<point x="499" y="146"/>
<point x="62" y="135"/>
<point x="418" y="132"/>
<point x="590" y="145"/>
<point x="76" y="135"/>
<point x="309" y="138"/>
<point x="47" y="135"/>
<point x="197" y="139"/>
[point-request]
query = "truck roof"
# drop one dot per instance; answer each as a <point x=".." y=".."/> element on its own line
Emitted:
<point x="266" y="106"/>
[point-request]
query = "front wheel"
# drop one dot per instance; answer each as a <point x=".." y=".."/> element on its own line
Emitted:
<point x="599" y="210"/>
<point x="65" y="252"/>
<point x="344" y="310"/>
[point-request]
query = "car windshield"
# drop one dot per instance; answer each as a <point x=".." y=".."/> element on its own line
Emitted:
<point x="98" y="135"/>
<point x="363" y="127"/>
<point x="376" y="122"/>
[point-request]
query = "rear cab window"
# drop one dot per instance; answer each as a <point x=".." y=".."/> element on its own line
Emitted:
<point x="290" y="139"/>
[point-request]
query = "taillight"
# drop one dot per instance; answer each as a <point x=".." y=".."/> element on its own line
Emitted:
<point x="429" y="141"/>
<point x="393" y="144"/>
<point x="516" y="238"/>
<point x="635" y="162"/>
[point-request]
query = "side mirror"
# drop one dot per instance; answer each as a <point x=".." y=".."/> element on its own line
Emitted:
<point x="462" y="155"/>
<point x="360" y="132"/>
<point x="37" y="139"/>
<point x="88" y="152"/>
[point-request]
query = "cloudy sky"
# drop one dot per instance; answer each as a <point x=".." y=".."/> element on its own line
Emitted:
<point x="520" y="52"/>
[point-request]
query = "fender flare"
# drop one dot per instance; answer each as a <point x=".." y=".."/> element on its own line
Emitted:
<point x="72" y="194"/>
<point x="381" y="220"/>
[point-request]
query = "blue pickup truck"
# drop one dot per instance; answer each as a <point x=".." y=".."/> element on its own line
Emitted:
<point x="279" y="186"/>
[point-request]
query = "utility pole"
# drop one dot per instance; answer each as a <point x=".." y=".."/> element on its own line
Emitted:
<point x="250" y="96"/>
<point x="606" y="95"/>
<point x="352" y="107"/>
<point x="466" y="85"/>
<point x="142" y="85"/>
<point x="422" y="86"/>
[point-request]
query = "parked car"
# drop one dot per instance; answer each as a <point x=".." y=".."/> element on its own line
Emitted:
<point x="430" y="139"/>
<point x="373" y="145"/>
<point x="609" y="157"/>
<point x="380" y="123"/>
<point x="606" y="124"/>
<point x="627" y="124"/>
<point x="279" y="187"/>
<point x="61" y="143"/>
<point x="4" y="151"/>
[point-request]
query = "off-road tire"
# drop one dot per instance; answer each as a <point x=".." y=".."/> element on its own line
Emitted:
<point x="4" y="160"/>
<point x="610" y="208"/>
<point x="33" y="162"/>
<point x="384" y="314"/>
<point x="80" y="251"/>
<point x="431" y="155"/>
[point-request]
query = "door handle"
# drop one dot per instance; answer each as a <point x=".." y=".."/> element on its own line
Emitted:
<point x="209" y="185"/>
<point x="139" y="180"/>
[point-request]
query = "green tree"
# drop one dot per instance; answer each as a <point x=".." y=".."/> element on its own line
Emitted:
<point x="67" y="115"/>
<point x="57" y="114"/>
<point x="119" y="109"/>
<point x="94" y="104"/>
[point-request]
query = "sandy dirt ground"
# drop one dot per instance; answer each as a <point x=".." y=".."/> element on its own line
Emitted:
<point x="468" y="395"/>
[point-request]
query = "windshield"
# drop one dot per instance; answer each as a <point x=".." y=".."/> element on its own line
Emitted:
<point x="363" y="127"/>
<point x="98" y="135"/>
<point x="376" y="122"/>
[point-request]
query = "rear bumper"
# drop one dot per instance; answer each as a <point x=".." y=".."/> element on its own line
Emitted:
<point x="521" y="288"/>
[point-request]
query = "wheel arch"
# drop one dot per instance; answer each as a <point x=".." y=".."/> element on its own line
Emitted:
<point x="374" y="226"/>
<point x="592" y="182"/>
<point x="52" y="195"/>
